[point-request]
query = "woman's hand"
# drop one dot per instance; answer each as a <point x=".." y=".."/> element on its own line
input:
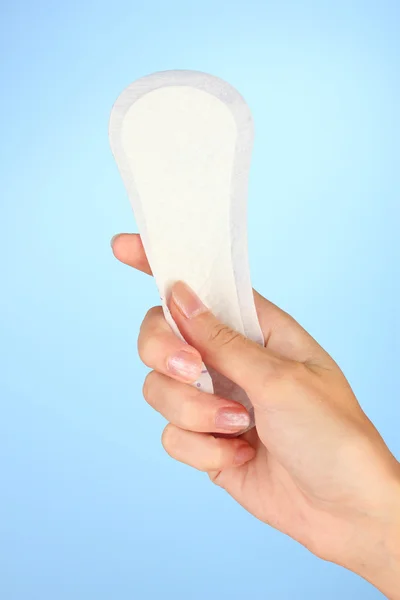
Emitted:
<point x="314" y="467"/>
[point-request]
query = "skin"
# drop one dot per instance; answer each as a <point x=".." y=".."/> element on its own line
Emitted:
<point x="314" y="467"/>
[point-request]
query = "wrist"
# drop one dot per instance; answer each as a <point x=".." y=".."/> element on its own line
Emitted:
<point x="376" y="556"/>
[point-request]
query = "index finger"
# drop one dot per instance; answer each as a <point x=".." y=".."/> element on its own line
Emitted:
<point x="128" y="248"/>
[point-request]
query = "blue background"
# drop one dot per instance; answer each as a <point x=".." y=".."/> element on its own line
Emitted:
<point x="90" y="506"/>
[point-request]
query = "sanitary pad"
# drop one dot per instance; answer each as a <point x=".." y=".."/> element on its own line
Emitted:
<point x="182" y="141"/>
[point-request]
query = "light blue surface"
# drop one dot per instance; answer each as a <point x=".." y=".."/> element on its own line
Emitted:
<point x="90" y="505"/>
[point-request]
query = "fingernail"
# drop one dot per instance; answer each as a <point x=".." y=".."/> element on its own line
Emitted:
<point x="114" y="237"/>
<point x="243" y="454"/>
<point x="232" y="419"/>
<point x="186" y="300"/>
<point x="185" y="364"/>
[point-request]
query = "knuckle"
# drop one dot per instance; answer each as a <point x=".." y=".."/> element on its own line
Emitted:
<point x="148" y="386"/>
<point x="154" y="311"/>
<point x="143" y="347"/>
<point x="144" y="342"/>
<point x="221" y="334"/>
<point x="218" y="455"/>
<point x="216" y="477"/>
<point x="169" y="439"/>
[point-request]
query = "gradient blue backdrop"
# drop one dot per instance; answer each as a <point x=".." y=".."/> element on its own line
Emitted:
<point x="90" y="505"/>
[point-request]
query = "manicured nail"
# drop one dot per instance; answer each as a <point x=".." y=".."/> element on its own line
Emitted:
<point x="114" y="237"/>
<point x="186" y="300"/>
<point x="232" y="419"/>
<point x="185" y="364"/>
<point x="244" y="453"/>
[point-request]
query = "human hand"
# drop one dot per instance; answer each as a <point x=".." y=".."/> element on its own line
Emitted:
<point x="314" y="467"/>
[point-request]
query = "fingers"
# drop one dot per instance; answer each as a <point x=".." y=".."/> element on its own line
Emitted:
<point x="191" y="413"/>
<point x="205" y="452"/>
<point x="283" y="335"/>
<point x="128" y="248"/>
<point x="189" y="408"/>
<point x="160" y="349"/>
<point x="241" y="360"/>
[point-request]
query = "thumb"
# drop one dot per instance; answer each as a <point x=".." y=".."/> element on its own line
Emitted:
<point x="239" y="359"/>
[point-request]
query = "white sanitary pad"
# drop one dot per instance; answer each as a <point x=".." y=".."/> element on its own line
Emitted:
<point x="182" y="141"/>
